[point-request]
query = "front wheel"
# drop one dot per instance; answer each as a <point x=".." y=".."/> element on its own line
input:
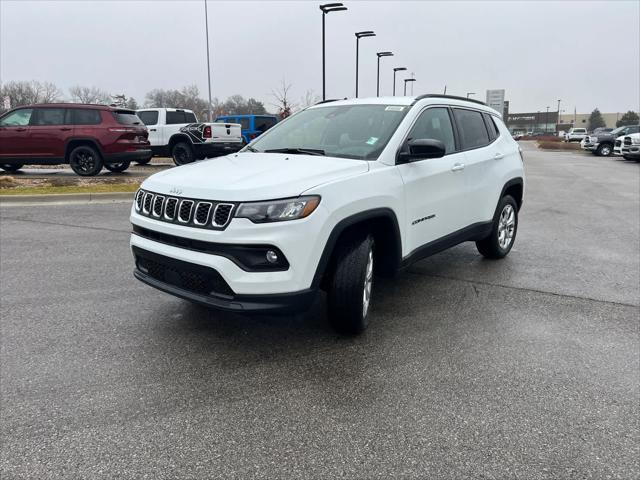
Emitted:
<point x="182" y="153"/>
<point x="604" y="150"/>
<point x="349" y="295"/>
<point x="503" y="232"/>
<point x="85" y="161"/>
<point x="11" y="167"/>
<point x="117" y="167"/>
<point x="143" y="161"/>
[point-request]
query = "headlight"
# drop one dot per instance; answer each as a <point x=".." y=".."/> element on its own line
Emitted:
<point x="635" y="140"/>
<point x="278" y="210"/>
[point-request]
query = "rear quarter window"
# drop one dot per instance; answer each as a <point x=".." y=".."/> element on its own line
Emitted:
<point x="126" y="117"/>
<point x="85" y="116"/>
<point x="190" y="117"/>
<point x="174" y="118"/>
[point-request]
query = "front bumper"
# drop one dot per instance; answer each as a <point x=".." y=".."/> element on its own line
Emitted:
<point x="216" y="149"/>
<point x="205" y="286"/>
<point x="589" y="146"/>
<point x="632" y="151"/>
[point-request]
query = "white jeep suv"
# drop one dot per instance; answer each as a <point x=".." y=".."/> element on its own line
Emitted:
<point x="326" y="200"/>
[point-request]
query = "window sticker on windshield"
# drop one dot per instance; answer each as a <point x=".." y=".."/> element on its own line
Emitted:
<point x="394" y="108"/>
<point x="372" y="140"/>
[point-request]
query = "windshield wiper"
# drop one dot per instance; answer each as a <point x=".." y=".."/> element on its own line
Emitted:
<point x="300" y="151"/>
<point x="251" y="149"/>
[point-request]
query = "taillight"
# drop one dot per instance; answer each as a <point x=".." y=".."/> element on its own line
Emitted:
<point x="252" y="136"/>
<point x="207" y="132"/>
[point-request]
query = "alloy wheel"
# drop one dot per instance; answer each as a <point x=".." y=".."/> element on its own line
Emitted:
<point x="368" y="284"/>
<point x="506" y="226"/>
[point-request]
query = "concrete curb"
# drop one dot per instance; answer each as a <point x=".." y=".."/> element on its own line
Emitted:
<point x="62" y="198"/>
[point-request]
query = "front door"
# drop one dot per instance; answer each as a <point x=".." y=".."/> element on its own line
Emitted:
<point x="14" y="134"/>
<point x="434" y="188"/>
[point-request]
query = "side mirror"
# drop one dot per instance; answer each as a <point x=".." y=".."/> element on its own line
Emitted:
<point x="421" y="148"/>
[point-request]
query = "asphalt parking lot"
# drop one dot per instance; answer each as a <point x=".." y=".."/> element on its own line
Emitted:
<point x="523" y="368"/>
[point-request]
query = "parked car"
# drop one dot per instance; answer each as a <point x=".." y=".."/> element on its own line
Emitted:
<point x="337" y="193"/>
<point x="575" y="134"/>
<point x="631" y="147"/>
<point x="87" y="137"/>
<point x="252" y="125"/>
<point x="176" y="132"/>
<point x="604" y="143"/>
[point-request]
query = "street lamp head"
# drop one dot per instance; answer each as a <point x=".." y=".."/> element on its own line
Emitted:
<point x="409" y="80"/>
<point x="398" y="69"/>
<point x="367" y="33"/>
<point x="332" y="7"/>
<point x="384" y="54"/>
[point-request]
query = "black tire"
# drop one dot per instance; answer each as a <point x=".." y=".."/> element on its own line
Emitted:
<point x="495" y="246"/>
<point x="182" y="153"/>
<point x="348" y="304"/>
<point x="604" y="150"/>
<point x="85" y="161"/>
<point x="143" y="162"/>
<point x="11" y="167"/>
<point x="117" y="167"/>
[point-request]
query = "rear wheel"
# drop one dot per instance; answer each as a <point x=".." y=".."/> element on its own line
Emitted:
<point x="349" y="295"/>
<point x="85" y="161"/>
<point x="182" y="153"/>
<point x="604" y="150"/>
<point x="117" y="167"/>
<point x="503" y="232"/>
<point x="11" y="167"/>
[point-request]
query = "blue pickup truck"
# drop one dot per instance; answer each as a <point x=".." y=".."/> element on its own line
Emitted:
<point x="252" y="125"/>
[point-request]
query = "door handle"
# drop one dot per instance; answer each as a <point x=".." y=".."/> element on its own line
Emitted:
<point x="457" y="167"/>
<point x="152" y="130"/>
<point x="65" y="129"/>
<point x="498" y="156"/>
<point x="20" y="129"/>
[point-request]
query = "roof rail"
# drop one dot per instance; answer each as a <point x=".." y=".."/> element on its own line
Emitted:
<point x="453" y="97"/>
<point x="330" y="100"/>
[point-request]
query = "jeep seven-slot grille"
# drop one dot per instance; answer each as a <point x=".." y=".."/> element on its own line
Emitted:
<point x="184" y="211"/>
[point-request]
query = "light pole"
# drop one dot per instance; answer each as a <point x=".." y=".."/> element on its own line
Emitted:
<point x="206" y="26"/>
<point x="558" y="119"/>
<point x="359" y="35"/>
<point x="397" y="69"/>
<point x="405" y="84"/>
<point x="381" y="54"/>
<point x="470" y="93"/>
<point x="327" y="8"/>
<point x="546" y="120"/>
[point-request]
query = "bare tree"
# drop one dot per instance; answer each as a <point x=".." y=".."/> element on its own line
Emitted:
<point x="284" y="105"/>
<point x="28" y="93"/>
<point x="310" y="98"/>
<point x="91" y="95"/>
<point x="188" y="97"/>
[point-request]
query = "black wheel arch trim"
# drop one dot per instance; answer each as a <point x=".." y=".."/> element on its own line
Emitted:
<point x="177" y="138"/>
<point x="519" y="181"/>
<point x="348" y="222"/>
<point x="91" y="140"/>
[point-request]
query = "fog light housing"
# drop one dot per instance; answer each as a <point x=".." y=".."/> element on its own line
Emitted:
<point x="272" y="257"/>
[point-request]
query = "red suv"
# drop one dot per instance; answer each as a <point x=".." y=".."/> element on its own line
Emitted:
<point x="87" y="137"/>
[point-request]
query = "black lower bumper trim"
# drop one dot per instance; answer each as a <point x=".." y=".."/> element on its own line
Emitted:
<point x="142" y="154"/>
<point x="203" y="150"/>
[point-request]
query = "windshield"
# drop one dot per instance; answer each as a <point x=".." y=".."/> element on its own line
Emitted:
<point x="348" y="131"/>
<point x="617" y="130"/>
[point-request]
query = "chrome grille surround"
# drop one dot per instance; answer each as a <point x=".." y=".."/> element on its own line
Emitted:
<point x="184" y="212"/>
<point x="222" y="215"/>
<point x="158" y="203"/>
<point x="188" y="212"/>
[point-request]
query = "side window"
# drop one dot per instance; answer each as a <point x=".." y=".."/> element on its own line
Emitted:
<point x="148" y="118"/>
<point x="175" y="117"/>
<point x="264" y="123"/>
<point x="190" y="117"/>
<point x="85" y="116"/>
<point x="473" y="131"/>
<point x="491" y="126"/>
<point x="435" y="123"/>
<point x="244" y="121"/>
<point x="49" y="116"/>
<point x="18" y="118"/>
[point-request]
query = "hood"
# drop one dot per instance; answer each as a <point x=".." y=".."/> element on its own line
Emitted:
<point x="253" y="176"/>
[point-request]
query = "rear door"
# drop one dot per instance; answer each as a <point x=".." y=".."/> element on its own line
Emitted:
<point x="482" y="159"/>
<point x="150" y="118"/>
<point x="434" y="188"/>
<point x="14" y="133"/>
<point x="49" y="130"/>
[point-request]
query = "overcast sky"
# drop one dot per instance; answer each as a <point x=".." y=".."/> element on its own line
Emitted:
<point x="585" y="53"/>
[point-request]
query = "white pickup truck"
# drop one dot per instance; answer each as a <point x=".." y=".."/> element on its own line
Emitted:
<point x="177" y="133"/>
